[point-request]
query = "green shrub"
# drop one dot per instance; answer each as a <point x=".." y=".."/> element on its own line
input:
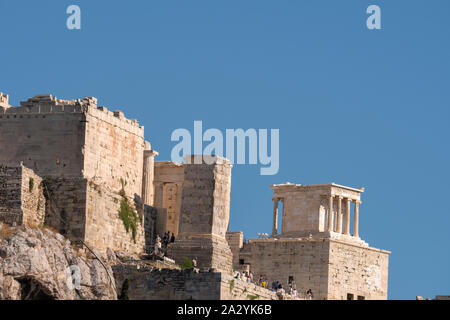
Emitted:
<point x="231" y="285"/>
<point x="31" y="184"/>
<point x="187" y="264"/>
<point x="128" y="216"/>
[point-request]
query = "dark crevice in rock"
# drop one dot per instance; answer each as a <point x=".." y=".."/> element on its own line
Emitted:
<point x="33" y="290"/>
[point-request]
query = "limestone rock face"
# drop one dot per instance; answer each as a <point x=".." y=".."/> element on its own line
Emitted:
<point x="40" y="264"/>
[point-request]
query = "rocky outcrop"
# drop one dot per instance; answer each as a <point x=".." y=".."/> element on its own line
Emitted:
<point x="40" y="264"/>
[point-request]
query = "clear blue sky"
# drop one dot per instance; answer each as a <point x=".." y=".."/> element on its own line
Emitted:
<point x="355" y="107"/>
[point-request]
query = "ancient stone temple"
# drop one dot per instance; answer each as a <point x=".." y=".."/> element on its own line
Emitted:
<point x="315" y="248"/>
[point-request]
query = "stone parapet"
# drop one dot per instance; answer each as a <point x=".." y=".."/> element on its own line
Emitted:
<point x="150" y="283"/>
<point x="210" y="252"/>
<point x="22" y="200"/>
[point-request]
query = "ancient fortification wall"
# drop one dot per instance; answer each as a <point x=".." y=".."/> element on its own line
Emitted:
<point x="362" y="272"/>
<point x="303" y="262"/>
<point x="65" y="207"/>
<point x="46" y="136"/>
<point x="21" y="196"/>
<point x="33" y="200"/>
<point x="331" y="269"/>
<point x="10" y="193"/>
<point x="113" y="166"/>
<point x="104" y="229"/>
<point x="86" y="155"/>
<point x="147" y="283"/>
<point x="114" y="150"/>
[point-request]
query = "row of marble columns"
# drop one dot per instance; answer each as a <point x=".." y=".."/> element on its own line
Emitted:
<point x="343" y="218"/>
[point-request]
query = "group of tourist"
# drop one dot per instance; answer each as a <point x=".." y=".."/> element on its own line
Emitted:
<point x="161" y="244"/>
<point x="247" y="276"/>
<point x="276" y="285"/>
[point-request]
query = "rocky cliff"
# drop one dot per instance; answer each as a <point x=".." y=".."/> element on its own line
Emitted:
<point x="38" y="264"/>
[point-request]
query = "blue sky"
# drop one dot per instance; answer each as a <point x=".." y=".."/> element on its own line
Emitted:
<point x="354" y="106"/>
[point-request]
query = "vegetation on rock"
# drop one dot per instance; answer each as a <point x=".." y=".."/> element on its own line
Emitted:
<point x="187" y="264"/>
<point x="128" y="216"/>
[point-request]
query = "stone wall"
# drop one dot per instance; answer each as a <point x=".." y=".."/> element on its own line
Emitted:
<point x="361" y="272"/>
<point x="104" y="228"/>
<point x="306" y="262"/>
<point x="205" y="205"/>
<point x="147" y="283"/>
<point x="33" y="200"/>
<point x="114" y="150"/>
<point x="78" y="148"/>
<point x="21" y="197"/>
<point x="236" y="242"/>
<point x="168" y="183"/>
<point x="150" y="227"/>
<point x="47" y="135"/>
<point x="205" y="213"/>
<point x="10" y="193"/>
<point x="237" y="289"/>
<point x="331" y="269"/>
<point x="161" y="221"/>
<point x="65" y="207"/>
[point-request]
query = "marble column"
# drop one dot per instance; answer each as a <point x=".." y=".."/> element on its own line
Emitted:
<point x="330" y="214"/>
<point x="148" y="176"/>
<point x="339" y="215"/>
<point x="347" y="217"/>
<point x="356" y="222"/>
<point x="275" y="216"/>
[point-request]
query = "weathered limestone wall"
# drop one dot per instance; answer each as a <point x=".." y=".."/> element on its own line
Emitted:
<point x="104" y="228"/>
<point x="114" y="150"/>
<point x="168" y="184"/>
<point x="150" y="227"/>
<point x="357" y="270"/>
<point x="206" y="197"/>
<point x="44" y="133"/>
<point x="331" y="269"/>
<point x="305" y="261"/>
<point x="205" y="213"/>
<point x="236" y="242"/>
<point x="65" y="207"/>
<point x="33" y="200"/>
<point x="72" y="145"/>
<point x="161" y="221"/>
<point x="10" y="193"/>
<point x="146" y="283"/>
<point x="21" y="197"/>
